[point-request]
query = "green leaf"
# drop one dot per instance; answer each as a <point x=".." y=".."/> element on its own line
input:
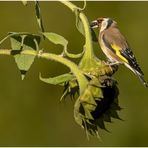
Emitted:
<point x="100" y="123"/>
<point x="114" y="114"/>
<point x="38" y="15"/>
<point x="79" y="23"/>
<point x="56" y="39"/>
<point x="106" y="117"/>
<point x="88" y="114"/>
<point x="86" y="103"/>
<point x="20" y="42"/>
<point x="87" y="98"/>
<point x="71" y="55"/>
<point x="58" y="80"/>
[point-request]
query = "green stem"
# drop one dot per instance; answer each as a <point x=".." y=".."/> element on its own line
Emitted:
<point x="69" y="5"/>
<point x="89" y="55"/>
<point x="88" y="39"/>
<point x="73" y="67"/>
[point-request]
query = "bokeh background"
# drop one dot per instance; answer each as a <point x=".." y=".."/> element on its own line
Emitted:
<point x="30" y="112"/>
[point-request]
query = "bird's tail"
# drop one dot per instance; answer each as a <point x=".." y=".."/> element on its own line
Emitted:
<point x="140" y="75"/>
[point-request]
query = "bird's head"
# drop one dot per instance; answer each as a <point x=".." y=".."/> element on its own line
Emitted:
<point x="102" y="23"/>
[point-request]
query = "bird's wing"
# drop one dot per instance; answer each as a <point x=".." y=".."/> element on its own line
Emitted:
<point x="117" y="43"/>
<point x="131" y="60"/>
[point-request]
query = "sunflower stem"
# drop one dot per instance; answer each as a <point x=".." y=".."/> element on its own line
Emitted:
<point x="73" y="67"/>
<point x="88" y="54"/>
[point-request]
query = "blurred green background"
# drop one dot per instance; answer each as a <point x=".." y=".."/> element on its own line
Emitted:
<point x="30" y="112"/>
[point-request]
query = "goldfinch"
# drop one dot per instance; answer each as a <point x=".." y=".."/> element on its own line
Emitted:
<point x="115" y="46"/>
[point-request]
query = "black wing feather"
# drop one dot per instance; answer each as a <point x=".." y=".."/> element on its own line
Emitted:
<point x="128" y="54"/>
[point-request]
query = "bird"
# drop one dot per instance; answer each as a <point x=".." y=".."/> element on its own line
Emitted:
<point x="115" y="46"/>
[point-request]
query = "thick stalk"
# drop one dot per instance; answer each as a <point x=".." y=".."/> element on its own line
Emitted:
<point x="73" y="67"/>
<point x="89" y="55"/>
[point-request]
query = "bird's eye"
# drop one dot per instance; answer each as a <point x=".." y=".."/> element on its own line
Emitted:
<point x="100" y="21"/>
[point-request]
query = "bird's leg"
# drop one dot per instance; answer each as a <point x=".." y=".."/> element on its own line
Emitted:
<point x="112" y="63"/>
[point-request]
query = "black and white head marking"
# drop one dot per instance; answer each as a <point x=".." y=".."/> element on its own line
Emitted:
<point x="106" y="23"/>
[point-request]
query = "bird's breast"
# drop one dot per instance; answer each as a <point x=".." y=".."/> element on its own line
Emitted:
<point x="110" y="55"/>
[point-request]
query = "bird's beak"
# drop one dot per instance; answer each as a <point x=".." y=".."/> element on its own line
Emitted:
<point x="94" y="24"/>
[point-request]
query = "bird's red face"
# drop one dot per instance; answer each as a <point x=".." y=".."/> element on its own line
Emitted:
<point x="97" y="23"/>
<point x="102" y="23"/>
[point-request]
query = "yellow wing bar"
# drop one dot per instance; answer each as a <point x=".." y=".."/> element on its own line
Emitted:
<point x="117" y="49"/>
